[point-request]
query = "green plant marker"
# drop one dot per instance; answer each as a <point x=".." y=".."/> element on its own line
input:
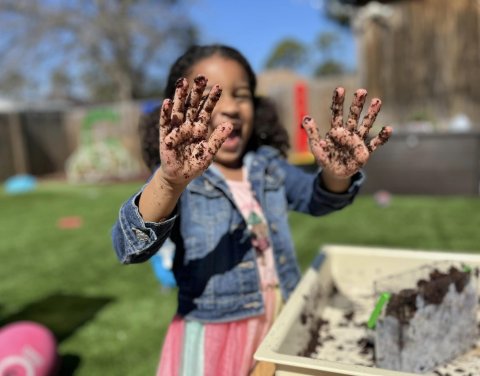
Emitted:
<point x="382" y="300"/>
<point x="467" y="269"/>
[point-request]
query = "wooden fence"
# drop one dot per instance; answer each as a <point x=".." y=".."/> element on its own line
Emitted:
<point x="426" y="164"/>
<point x="39" y="143"/>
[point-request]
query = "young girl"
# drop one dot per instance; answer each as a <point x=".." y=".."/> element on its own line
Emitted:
<point x="221" y="193"/>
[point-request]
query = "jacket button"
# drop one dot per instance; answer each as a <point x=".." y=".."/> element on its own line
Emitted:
<point x="274" y="227"/>
<point x="140" y="235"/>
<point x="282" y="260"/>
<point x="247" y="265"/>
<point x="252" y="305"/>
<point x="239" y="227"/>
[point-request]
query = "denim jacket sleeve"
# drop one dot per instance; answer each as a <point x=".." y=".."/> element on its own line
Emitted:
<point x="306" y="194"/>
<point x="135" y="240"/>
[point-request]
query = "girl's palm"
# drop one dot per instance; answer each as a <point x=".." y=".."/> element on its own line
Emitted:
<point x="186" y="148"/>
<point x="344" y="149"/>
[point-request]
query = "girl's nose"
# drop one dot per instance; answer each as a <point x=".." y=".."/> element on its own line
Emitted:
<point x="227" y="105"/>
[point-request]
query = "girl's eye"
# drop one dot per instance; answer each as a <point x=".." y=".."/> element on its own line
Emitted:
<point x="243" y="95"/>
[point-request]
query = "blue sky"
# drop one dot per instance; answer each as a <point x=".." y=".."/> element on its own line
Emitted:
<point x="256" y="26"/>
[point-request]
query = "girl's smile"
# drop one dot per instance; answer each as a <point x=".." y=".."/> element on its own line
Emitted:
<point x="232" y="143"/>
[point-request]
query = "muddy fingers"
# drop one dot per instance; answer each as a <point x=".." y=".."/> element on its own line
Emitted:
<point x="205" y="112"/>
<point x="317" y="145"/>
<point x="179" y="98"/>
<point x="380" y="139"/>
<point x="218" y="137"/>
<point x="337" y="107"/>
<point x="193" y="100"/>
<point x="165" y="118"/>
<point x="370" y="118"/>
<point x="356" y="108"/>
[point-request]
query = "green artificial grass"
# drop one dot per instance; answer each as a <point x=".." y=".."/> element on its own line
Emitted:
<point x="110" y="319"/>
<point x="427" y="223"/>
<point x="118" y="329"/>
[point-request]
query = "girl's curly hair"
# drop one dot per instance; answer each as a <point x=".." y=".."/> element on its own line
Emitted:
<point x="267" y="128"/>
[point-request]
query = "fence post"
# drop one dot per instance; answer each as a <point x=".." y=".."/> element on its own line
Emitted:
<point x="19" y="156"/>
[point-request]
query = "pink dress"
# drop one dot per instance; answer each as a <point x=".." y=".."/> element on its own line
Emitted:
<point x="193" y="348"/>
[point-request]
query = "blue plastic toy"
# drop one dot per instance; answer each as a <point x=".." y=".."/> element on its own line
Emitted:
<point x="18" y="184"/>
<point x="162" y="264"/>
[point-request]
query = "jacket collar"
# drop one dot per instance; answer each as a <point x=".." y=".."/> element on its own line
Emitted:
<point x="255" y="162"/>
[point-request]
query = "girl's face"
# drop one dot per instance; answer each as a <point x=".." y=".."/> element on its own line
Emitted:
<point x="235" y="105"/>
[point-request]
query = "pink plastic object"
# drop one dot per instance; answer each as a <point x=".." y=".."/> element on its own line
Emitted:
<point x="27" y="349"/>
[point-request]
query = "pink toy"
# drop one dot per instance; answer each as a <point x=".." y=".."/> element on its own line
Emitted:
<point x="27" y="349"/>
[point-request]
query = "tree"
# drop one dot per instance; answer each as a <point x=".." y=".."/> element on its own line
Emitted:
<point x="113" y="49"/>
<point x="294" y="55"/>
<point x="325" y="43"/>
<point x="289" y="53"/>
<point x="342" y="11"/>
<point x="60" y="84"/>
<point x="13" y="83"/>
<point x="328" y="68"/>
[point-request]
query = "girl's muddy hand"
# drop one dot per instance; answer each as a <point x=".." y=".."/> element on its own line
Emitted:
<point x="344" y="150"/>
<point x="186" y="147"/>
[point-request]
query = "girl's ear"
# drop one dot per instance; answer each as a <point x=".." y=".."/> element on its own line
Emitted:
<point x="268" y="128"/>
<point x="149" y="133"/>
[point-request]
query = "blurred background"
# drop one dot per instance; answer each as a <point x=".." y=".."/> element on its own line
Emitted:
<point x="76" y="75"/>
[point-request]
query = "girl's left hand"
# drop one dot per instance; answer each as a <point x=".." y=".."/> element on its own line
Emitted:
<point x="344" y="150"/>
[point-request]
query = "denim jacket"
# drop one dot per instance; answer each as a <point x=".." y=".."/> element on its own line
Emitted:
<point x="215" y="263"/>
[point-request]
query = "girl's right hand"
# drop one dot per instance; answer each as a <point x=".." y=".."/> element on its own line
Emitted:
<point x="186" y="147"/>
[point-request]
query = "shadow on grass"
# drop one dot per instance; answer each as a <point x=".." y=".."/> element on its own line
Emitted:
<point x="68" y="364"/>
<point x="63" y="315"/>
